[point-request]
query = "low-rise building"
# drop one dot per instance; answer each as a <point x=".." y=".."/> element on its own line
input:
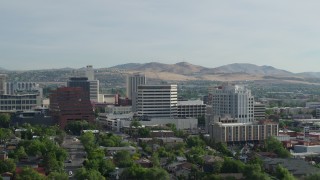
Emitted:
<point x="243" y="132"/>
<point x="297" y="167"/>
<point x="25" y="102"/>
<point x="114" y="150"/>
<point x="192" y="109"/>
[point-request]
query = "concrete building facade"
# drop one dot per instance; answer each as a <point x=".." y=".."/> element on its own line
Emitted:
<point x="19" y="102"/>
<point x="233" y="100"/>
<point x="3" y="80"/>
<point x="23" y="88"/>
<point x="259" y="111"/>
<point x="193" y="109"/>
<point x="157" y="100"/>
<point x="133" y="81"/>
<point x="242" y="132"/>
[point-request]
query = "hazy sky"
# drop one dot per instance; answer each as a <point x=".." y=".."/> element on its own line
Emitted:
<point x="37" y="34"/>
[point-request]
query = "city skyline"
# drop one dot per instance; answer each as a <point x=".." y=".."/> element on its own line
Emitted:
<point x="45" y="35"/>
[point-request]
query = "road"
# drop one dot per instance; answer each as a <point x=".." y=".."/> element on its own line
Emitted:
<point x="76" y="154"/>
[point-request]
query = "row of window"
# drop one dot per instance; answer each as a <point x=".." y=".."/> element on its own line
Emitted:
<point x="5" y="102"/>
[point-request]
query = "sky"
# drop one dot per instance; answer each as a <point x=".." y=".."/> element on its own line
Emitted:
<point x="45" y="34"/>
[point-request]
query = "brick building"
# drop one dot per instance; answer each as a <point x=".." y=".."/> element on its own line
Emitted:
<point x="70" y="104"/>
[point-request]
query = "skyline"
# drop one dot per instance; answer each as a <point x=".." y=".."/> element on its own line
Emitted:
<point x="56" y="34"/>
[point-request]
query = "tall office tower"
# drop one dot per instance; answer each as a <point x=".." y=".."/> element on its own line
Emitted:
<point x="94" y="84"/>
<point x="3" y="88"/>
<point x="91" y="87"/>
<point x="157" y="100"/>
<point x="70" y="104"/>
<point x="233" y="100"/>
<point x="80" y="82"/>
<point x="89" y="72"/>
<point x="94" y="90"/>
<point x="133" y="81"/>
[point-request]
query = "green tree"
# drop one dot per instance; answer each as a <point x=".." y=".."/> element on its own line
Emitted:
<point x="58" y="175"/>
<point x="155" y="159"/>
<point x="109" y="140"/>
<point x="75" y="127"/>
<point x="144" y="132"/>
<point x="5" y="120"/>
<point x="274" y="145"/>
<point x="88" y="140"/>
<point x="91" y="174"/>
<point x="7" y="165"/>
<point x="134" y="125"/>
<point x="106" y="167"/>
<point x="134" y="172"/>
<point x="195" y="141"/>
<point x="156" y="173"/>
<point x="221" y="147"/>
<point x="21" y="153"/>
<point x="253" y="172"/>
<point x="123" y="159"/>
<point x="283" y="173"/>
<point x="232" y="166"/>
<point x="30" y="174"/>
<point x="5" y="134"/>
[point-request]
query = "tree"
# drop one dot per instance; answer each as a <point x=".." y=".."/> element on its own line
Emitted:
<point x="5" y="120"/>
<point x="195" y="141"/>
<point x="88" y="140"/>
<point x="7" y="165"/>
<point x="30" y="174"/>
<point x="134" y="125"/>
<point x="109" y="140"/>
<point x="91" y="174"/>
<point x="21" y="153"/>
<point x="283" y="173"/>
<point x="134" y="172"/>
<point x="156" y="173"/>
<point x="221" y="147"/>
<point x="232" y="166"/>
<point x="253" y="171"/>
<point x="5" y="134"/>
<point x="274" y="145"/>
<point x="75" y="127"/>
<point x="144" y="132"/>
<point x="106" y="167"/>
<point x="58" y="175"/>
<point x="155" y="159"/>
<point x="123" y="159"/>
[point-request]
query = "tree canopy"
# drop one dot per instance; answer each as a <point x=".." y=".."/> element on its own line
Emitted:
<point x="274" y="145"/>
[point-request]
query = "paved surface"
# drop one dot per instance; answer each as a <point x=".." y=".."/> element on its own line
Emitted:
<point x="76" y="154"/>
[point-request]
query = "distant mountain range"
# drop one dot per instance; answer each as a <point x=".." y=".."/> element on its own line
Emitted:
<point x="231" y="72"/>
<point x="188" y="69"/>
<point x="183" y="71"/>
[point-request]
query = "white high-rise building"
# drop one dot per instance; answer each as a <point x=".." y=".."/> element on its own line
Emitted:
<point x="233" y="100"/>
<point x="157" y="100"/>
<point x="3" y="83"/>
<point x="133" y="81"/>
<point x="89" y="72"/>
<point x="94" y="90"/>
<point x="94" y="84"/>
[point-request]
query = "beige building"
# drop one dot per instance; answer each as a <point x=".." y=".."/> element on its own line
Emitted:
<point x="242" y="132"/>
